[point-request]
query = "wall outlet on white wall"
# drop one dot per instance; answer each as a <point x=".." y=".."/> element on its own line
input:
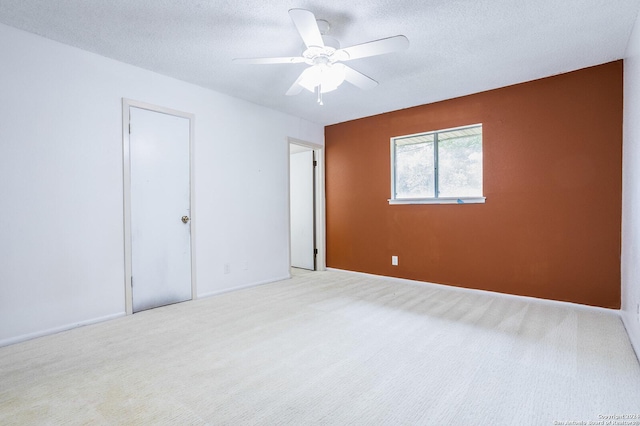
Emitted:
<point x="394" y="260"/>
<point x="227" y="268"/>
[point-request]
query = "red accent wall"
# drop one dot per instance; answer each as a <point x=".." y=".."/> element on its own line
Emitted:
<point x="551" y="224"/>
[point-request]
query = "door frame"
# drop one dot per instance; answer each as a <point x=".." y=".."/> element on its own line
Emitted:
<point x="319" y="197"/>
<point x="126" y="172"/>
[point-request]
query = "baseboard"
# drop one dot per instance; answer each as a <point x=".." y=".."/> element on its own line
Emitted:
<point x="633" y="331"/>
<point x="244" y="286"/>
<point x="29" y="336"/>
<point x="477" y="291"/>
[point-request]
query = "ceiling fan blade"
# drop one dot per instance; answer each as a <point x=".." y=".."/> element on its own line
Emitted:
<point x="295" y="87"/>
<point x="307" y="26"/>
<point x="283" y="60"/>
<point x="358" y="79"/>
<point x="373" y="48"/>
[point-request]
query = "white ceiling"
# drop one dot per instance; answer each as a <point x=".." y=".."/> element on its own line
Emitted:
<point x="457" y="47"/>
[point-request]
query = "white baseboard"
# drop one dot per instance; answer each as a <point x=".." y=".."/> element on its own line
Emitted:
<point x="632" y="331"/>
<point x="29" y="336"/>
<point x="244" y="286"/>
<point x="476" y="291"/>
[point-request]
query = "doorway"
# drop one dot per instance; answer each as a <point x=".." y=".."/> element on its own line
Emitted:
<point x="158" y="215"/>
<point x="306" y="201"/>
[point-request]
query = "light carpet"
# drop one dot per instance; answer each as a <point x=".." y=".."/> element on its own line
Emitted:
<point x="330" y="348"/>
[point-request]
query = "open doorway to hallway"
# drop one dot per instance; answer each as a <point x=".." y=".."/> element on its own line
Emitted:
<point x="306" y="201"/>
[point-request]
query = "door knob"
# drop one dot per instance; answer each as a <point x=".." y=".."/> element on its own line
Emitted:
<point x="185" y="219"/>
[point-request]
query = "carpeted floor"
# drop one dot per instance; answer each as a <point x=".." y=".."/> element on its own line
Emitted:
<point x="330" y="348"/>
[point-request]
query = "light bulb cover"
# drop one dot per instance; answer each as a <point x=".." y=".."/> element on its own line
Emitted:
<point x="327" y="76"/>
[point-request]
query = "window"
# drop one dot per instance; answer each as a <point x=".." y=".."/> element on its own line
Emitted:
<point x="444" y="166"/>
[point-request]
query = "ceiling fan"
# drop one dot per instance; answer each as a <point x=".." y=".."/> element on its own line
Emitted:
<point x="324" y="55"/>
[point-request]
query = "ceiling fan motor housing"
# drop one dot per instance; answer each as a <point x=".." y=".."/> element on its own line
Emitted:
<point x="318" y="55"/>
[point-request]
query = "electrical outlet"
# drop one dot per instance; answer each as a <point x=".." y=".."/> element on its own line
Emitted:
<point x="227" y="268"/>
<point x="394" y="260"/>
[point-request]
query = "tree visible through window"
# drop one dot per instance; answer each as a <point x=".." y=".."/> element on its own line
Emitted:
<point x="444" y="164"/>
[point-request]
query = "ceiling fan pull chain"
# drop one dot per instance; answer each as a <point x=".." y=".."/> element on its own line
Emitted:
<point x="319" y="90"/>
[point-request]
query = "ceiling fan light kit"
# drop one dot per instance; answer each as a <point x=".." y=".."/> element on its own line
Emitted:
<point x="324" y="56"/>
<point x="327" y="77"/>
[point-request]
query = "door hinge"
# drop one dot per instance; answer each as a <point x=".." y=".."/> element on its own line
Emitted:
<point x="315" y="163"/>
<point x="131" y="282"/>
<point x="315" y="252"/>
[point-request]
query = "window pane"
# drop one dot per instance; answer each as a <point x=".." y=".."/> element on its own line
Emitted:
<point x="414" y="169"/>
<point x="460" y="165"/>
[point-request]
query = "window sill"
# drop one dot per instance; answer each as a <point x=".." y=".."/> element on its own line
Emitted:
<point x="444" y="200"/>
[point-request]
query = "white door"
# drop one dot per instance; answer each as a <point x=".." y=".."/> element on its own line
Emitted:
<point x="302" y="210"/>
<point x="160" y="198"/>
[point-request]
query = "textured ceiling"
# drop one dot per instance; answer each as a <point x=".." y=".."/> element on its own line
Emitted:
<point x="457" y="47"/>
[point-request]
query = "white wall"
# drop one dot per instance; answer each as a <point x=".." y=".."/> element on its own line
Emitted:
<point x="631" y="190"/>
<point x="61" y="221"/>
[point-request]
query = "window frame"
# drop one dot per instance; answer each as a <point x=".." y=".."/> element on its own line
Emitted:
<point x="436" y="199"/>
